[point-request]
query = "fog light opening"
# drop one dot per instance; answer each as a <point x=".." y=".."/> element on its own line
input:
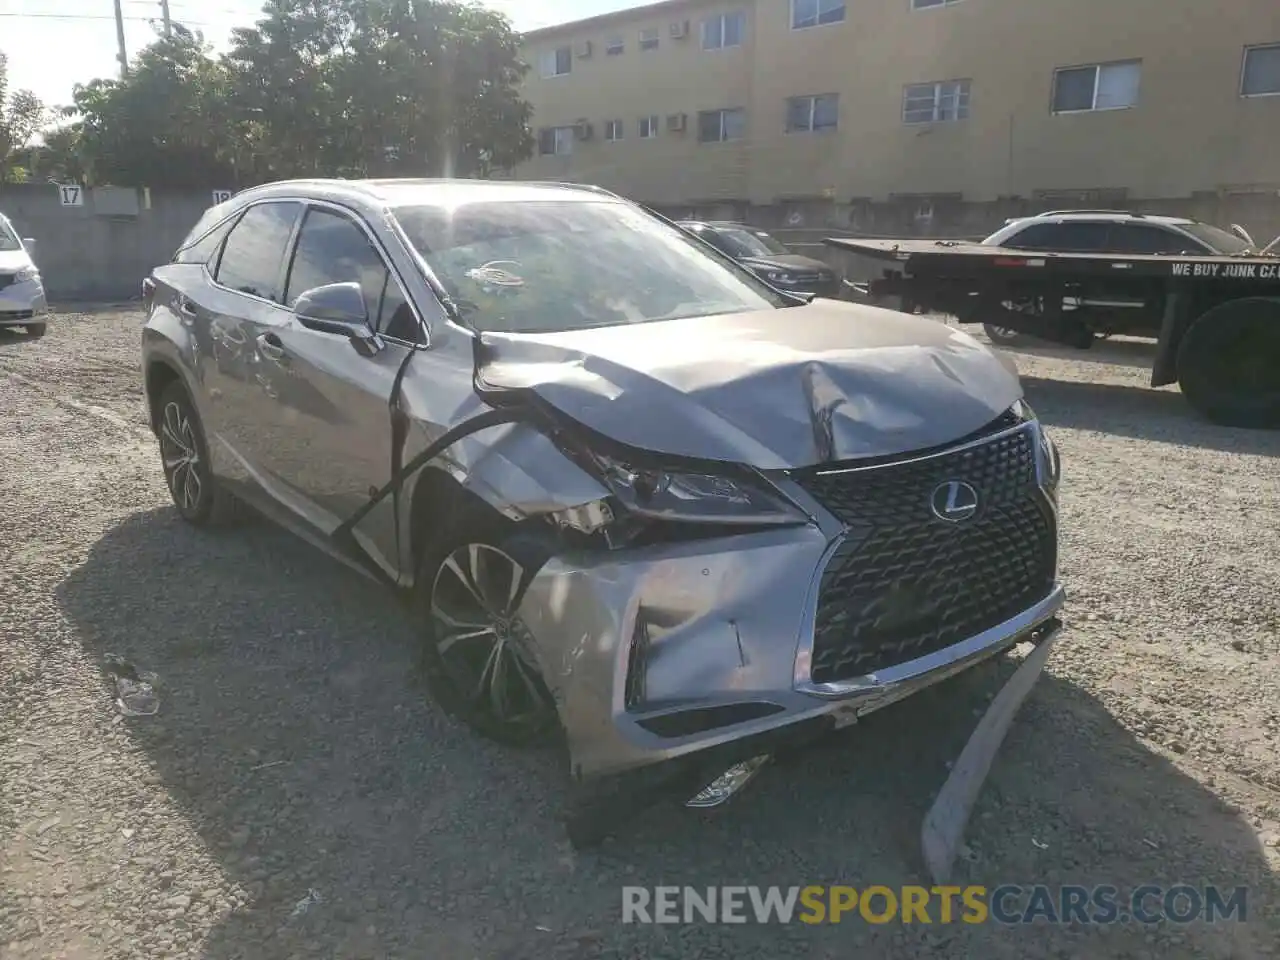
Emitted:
<point x="728" y="783"/>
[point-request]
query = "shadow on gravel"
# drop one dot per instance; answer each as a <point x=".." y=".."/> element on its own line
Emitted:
<point x="1113" y="353"/>
<point x="291" y="732"/>
<point x="1142" y="413"/>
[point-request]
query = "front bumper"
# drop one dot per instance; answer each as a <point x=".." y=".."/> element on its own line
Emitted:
<point x="23" y="303"/>
<point x="662" y="652"/>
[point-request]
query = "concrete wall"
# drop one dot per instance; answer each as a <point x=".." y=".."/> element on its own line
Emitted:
<point x="103" y="249"/>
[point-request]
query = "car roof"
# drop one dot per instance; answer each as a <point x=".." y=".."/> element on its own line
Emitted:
<point x="1104" y="216"/>
<point x="424" y="190"/>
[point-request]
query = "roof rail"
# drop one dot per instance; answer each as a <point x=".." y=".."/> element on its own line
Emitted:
<point x="571" y="185"/>
<point x="1118" y="213"/>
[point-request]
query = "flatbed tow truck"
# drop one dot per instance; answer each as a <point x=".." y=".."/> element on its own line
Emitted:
<point x="1216" y="318"/>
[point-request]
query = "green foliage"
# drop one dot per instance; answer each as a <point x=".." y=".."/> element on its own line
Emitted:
<point x="21" y="115"/>
<point x="316" y="88"/>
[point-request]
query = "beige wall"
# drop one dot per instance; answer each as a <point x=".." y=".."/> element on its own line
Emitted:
<point x="1191" y="131"/>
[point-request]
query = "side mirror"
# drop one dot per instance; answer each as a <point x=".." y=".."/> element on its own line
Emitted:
<point x="339" y="308"/>
<point x="1243" y="234"/>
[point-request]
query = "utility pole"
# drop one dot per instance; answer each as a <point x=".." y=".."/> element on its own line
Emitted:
<point x="168" y="23"/>
<point x="123" y="54"/>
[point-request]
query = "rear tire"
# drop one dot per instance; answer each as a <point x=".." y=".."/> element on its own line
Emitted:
<point x="188" y="472"/>
<point x="1229" y="364"/>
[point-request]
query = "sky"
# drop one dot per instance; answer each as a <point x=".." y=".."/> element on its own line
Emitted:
<point x="54" y="44"/>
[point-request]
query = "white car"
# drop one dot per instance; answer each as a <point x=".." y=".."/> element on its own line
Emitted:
<point x="22" y="299"/>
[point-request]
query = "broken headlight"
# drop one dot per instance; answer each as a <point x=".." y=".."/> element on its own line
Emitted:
<point x="678" y="496"/>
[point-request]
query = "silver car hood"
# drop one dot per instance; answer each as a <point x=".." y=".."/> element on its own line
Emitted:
<point x="795" y="387"/>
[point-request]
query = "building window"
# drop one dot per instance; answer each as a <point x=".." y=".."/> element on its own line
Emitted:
<point x="811" y="114"/>
<point x="725" y="30"/>
<point x="930" y="4"/>
<point x="555" y="141"/>
<point x="813" y="13"/>
<point x="557" y="62"/>
<point x="717" y="126"/>
<point x="936" y="102"/>
<point x="1102" y="86"/>
<point x="648" y="127"/>
<point x="1261" y="74"/>
<point x="614" y="46"/>
<point x="613" y="130"/>
<point x="649" y="38"/>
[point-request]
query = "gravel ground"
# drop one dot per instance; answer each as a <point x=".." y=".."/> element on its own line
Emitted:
<point x="294" y="751"/>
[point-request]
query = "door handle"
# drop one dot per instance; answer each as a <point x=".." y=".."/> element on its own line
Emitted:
<point x="187" y="307"/>
<point x="272" y="346"/>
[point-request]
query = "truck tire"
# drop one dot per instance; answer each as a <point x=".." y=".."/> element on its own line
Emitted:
<point x="1229" y="363"/>
<point x="1003" y="336"/>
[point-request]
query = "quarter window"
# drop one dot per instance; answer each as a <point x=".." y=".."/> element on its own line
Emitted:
<point x="1261" y="74"/>
<point x="557" y="62"/>
<point x="1103" y="86"/>
<point x="725" y="30"/>
<point x="814" y="13"/>
<point x="199" y="252"/>
<point x="255" y="248"/>
<point x="717" y="126"/>
<point x="811" y="114"/>
<point x="936" y="102"/>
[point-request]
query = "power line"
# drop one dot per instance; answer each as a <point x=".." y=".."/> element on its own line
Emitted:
<point x="92" y="16"/>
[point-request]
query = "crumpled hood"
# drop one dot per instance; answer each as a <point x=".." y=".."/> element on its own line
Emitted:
<point x="828" y="381"/>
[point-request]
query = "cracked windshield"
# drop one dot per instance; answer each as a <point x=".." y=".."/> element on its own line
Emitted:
<point x="474" y="469"/>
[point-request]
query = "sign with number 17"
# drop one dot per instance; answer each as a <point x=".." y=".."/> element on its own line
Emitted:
<point x="71" y="194"/>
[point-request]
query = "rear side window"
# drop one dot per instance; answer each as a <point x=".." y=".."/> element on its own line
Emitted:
<point x="1067" y="237"/>
<point x="1131" y="238"/>
<point x="202" y="250"/>
<point x="254" y="252"/>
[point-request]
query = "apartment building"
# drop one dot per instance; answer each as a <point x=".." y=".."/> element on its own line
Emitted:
<point x="733" y="103"/>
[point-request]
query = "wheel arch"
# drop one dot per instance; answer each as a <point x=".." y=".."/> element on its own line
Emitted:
<point x="158" y="374"/>
<point x="437" y="503"/>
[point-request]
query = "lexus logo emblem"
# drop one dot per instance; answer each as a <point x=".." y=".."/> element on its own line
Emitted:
<point x="954" y="501"/>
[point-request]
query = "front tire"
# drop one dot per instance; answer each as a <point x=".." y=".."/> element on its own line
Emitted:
<point x="479" y="657"/>
<point x="184" y="455"/>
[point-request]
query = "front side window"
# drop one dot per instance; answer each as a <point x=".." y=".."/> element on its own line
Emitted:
<point x="1261" y="74"/>
<point x="725" y="30"/>
<point x="1104" y="86"/>
<point x="253" y="255"/>
<point x="811" y="114"/>
<point x="1135" y="238"/>
<point x="542" y="266"/>
<point x="718" y="126"/>
<point x="555" y="141"/>
<point x="557" y="62"/>
<point x="331" y="248"/>
<point x="814" y="13"/>
<point x="940" y="102"/>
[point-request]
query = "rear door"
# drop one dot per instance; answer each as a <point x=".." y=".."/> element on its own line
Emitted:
<point x="330" y="422"/>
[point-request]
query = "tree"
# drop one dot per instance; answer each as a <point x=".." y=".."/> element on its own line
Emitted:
<point x="167" y="124"/>
<point x="21" y="114"/>
<point x="367" y="87"/>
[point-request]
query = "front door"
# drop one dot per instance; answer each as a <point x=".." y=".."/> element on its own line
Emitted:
<point x="331" y="420"/>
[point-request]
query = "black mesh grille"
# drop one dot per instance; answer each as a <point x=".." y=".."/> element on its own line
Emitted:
<point x="905" y="583"/>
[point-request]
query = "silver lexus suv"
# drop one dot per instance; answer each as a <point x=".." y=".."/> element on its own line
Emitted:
<point x="645" y="505"/>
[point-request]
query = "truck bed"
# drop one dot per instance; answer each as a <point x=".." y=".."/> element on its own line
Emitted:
<point x="958" y="258"/>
